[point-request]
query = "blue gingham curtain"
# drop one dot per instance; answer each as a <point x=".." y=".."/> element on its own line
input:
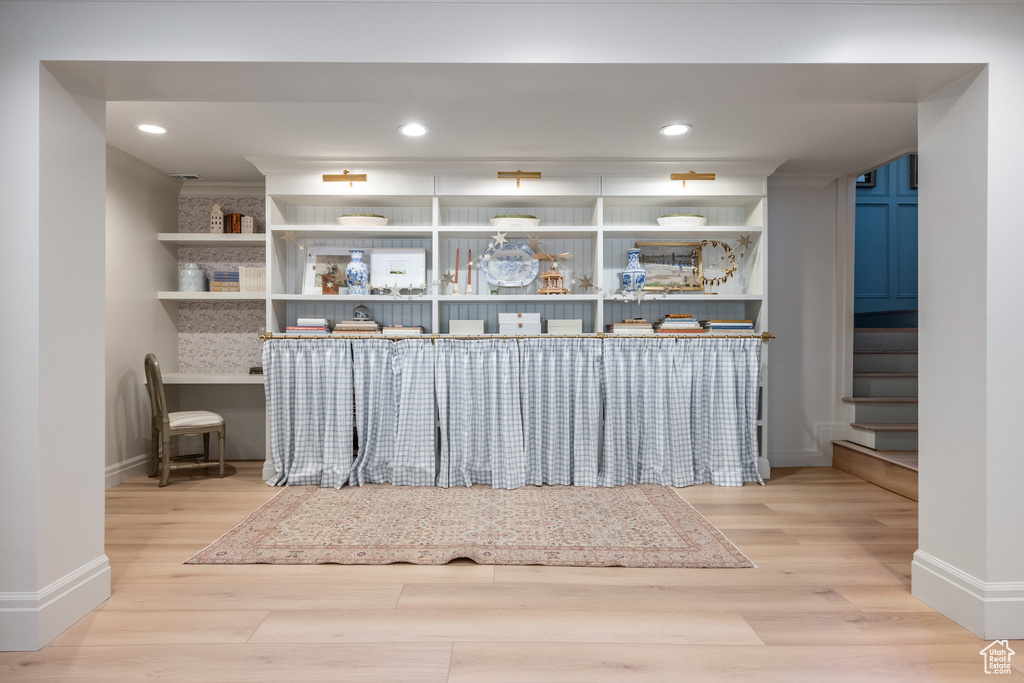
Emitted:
<point x="680" y="412"/>
<point x="477" y="389"/>
<point x="560" y="380"/>
<point x="308" y="384"/>
<point x="413" y="460"/>
<point x="375" y="408"/>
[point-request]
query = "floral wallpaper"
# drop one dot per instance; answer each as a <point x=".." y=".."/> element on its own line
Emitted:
<point x="220" y="336"/>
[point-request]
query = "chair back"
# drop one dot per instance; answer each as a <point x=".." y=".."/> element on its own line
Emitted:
<point x="155" y="388"/>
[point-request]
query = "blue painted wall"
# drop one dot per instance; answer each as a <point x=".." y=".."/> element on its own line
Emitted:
<point x="885" y="261"/>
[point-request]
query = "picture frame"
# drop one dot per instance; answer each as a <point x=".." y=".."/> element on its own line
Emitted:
<point x="317" y="259"/>
<point x="671" y="266"/>
<point x="867" y="181"/>
<point x="913" y="171"/>
<point x="405" y="268"/>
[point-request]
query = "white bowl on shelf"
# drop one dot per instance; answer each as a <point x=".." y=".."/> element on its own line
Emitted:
<point x="362" y="220"/>
<point x="509" y="222"/>
<point x="682" y="221"/>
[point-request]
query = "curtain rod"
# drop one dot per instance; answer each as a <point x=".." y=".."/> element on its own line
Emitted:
<point x="764" y="336"/>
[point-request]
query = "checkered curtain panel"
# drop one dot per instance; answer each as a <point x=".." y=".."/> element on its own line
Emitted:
<point x="680" y="412"/>
<point x="477" y="389"/>
<point x="560" y="380"/>
<point x="413" y="461"/>
<point x="374" y="387"/>
<point x="308" y="384"/>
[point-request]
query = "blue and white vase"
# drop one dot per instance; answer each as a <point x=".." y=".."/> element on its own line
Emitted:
<point x="357" y="273"/>
<point x="633" y="275"/>
<point x="191" y="278"/>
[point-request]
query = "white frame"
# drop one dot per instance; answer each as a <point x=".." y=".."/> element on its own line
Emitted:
<point x="309" y="275"/>
<point x="414" y="278"/>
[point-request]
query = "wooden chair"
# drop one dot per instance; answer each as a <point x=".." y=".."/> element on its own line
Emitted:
<point x="182" y="423"/>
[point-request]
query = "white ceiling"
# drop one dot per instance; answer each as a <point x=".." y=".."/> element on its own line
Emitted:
<point x="823" y="119"/>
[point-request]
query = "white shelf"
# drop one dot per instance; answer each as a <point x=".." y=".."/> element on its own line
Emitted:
<point x="703" y="298"/>
<point x="379" y="298"/>
<point x="211" y="296"/>
<point x="211" y="378"/>
<point x="511" y="298"/>
<point x="357" y="231"/>
<point x="212" y="239"/>
<point x="705" y="232"/>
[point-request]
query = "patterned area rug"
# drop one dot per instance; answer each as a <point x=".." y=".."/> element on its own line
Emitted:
<point x="626" y="526"/>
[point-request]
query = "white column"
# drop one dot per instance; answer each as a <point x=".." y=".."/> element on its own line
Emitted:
<point x="970" y="564"/>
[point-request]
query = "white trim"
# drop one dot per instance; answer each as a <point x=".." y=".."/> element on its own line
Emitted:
<point x="814" y="181"/>
<point x="805" y="458"/>
<point x="120" y="472"/>
<point x="30" y="620"/>
<point x="209" y="188"/>
<point x="142" y="171"/>
<point x="990" y="610"/>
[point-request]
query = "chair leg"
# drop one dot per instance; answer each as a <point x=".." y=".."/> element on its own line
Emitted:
<point x="166" y="459"/>
<point x="154" y="453"/>
<point x="220" y="449"/>
<point x="206" y="446"/>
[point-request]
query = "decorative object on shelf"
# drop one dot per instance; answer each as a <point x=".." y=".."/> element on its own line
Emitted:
<point x="216" y="219"/>
<point x="469" y="274"/>
<point x="552" y="279"/>
<point x="404" y="267"/>
<point x="256" y="370"/>
<point x="510" y="264"/>
<point x="370" y="219"/>
<point x="361" y="312"/>
<point x="565" y="326"/>
<point x="233" y="223"/>
<point x="515" y="220"/>
<point x="456" y="279"/>
<point x="320" y="260"/>
<point x="465" y="327"/>
<point x="248" y="225"/>
<point x="633" y="275"/>
<point x="519" y="175"/>
<point x="518" y="323"/>
<point x="495" y="290"/>
<point x="691" y="175"/>
<point x="683" y="220"/>
<point x="345" y="177"/>
<point x="744" y="243"/>
<point x="534" y="242"/>
<point x="289" y="237"/>
<point x="225" y="281"/>
<point x="585" y="283"/>
<point x="191" y="278"/>
<point x="357" y="273"/>
<point x="498" y="239"/>
<point x="671" y="266"/>
<point x="722" y="268"/>
<point x="329" y="279"/>
<point x="446" y="279"/>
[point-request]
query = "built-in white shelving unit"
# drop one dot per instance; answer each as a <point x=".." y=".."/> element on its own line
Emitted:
<point x="593" y="212"/>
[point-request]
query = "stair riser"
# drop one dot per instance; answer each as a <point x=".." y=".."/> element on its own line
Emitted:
<point x="884" y="441"/>
<point x="885" y="386"/>
<point x="886" y="341"/>
<point x="886" y="413"/>
<point x="885" y="362"/>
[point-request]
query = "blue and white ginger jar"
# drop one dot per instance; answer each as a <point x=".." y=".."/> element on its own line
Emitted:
<point x="633" y="275"/>
<point x="356" y="272"/>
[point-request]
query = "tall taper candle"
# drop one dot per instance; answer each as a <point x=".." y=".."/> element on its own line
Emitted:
<point x="469" y="268"/>
<point x="456" y="266"/>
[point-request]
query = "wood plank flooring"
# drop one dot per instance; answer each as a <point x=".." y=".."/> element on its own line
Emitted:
<point x="829" y="601"/>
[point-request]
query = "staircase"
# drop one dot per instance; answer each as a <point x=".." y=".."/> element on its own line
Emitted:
<point x="881" y="443"/>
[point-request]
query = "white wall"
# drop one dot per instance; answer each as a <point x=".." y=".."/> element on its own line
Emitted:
<point x="141" y="202"/>
<point x="56" y="493"/>
<point x="804" y="229"/>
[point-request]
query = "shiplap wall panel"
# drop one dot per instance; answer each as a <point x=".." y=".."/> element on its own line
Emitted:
<point x="465" y="216"/>
<point x="645" y="216"/>
<point x="582" y="262"/>
<point x="328" y="215"/>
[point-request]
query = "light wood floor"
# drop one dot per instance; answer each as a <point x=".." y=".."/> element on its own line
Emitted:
<point x="830" y="601"/>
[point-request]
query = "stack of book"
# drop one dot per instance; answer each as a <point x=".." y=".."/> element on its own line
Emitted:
<point x="252" y="278"/>
<point x="357" y="327"/>
<point x="402" y="330"/>
<point x="314" y="326"/>
<point x="679" y="323"/>
<point x="729" y="325"/>
<point x="224" y="281"/>
<point x="630" y="326"/>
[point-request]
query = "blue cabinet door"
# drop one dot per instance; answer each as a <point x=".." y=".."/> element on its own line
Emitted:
<point x="885" y="261"/>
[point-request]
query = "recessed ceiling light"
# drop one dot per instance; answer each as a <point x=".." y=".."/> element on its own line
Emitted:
<point x="413" y="130"/>
<point x="676" y="129"/>
<point x="151" y="128"/>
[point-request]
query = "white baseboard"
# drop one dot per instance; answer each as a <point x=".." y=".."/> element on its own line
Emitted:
<point x="808" y="458"/>
<point x="30" y="620"/>
<point x="120" y="472"/>
<point x="989" y="610"/>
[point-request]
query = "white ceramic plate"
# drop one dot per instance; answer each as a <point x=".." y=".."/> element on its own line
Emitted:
<point x="510" y="265"/>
